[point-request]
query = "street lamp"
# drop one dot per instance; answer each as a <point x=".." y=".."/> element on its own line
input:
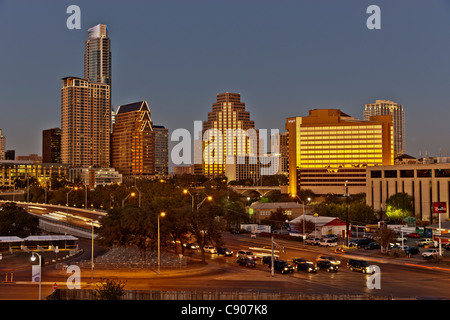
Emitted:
<point x="67" y="203"/>
<point x="303" y="216"/>
<point x="131" y="194"/>
<point x="33" y="258"/>
<point x="162" y="214"/>
<point x="209" y="198"/>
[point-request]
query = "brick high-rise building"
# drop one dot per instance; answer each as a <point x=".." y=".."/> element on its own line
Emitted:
<point x="133" y="141"/>
<point x="85" y="123"/>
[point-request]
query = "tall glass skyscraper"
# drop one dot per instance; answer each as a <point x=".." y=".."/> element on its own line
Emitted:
<point x="97" y="55"/>
<point x="386" y="107"/>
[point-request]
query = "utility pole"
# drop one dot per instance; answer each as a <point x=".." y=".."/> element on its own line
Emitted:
<point x="348" y="215"/>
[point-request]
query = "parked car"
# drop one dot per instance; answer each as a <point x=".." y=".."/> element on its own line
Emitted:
<point x="372" y="246"/>
<point x="210" y="249"/>
<point x="327" y="265"/>
<point x="446" y="246"/>
<point x="414" y="235"/>
<point x="360" y="243"/>
<point x="312" y="241"/>
<point x="224" y="251"/>
<point x="430" y="253"/>
<point x="306" y="266"/>
<point x="426" y="242"/>
<point x="331" y="259"/>
<point x="360" y="265"/>
<point x="328" y="243"/>
<point x="246" y="254"/>
<point x="246" y="262"/>
<point x="330" y="236"/>
<point x="412" y="250"/>
<point x="235" y="231"/>
<point x="281" y="266"/>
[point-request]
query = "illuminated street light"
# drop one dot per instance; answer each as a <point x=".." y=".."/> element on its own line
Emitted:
<point x="131" y="194"/>
<point x="33" y="258"/>
<point x="162" y="214"/>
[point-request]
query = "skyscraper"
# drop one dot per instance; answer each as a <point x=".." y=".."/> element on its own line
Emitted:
<point x="227" y="134"/>
<point x="97" y="55"/>
<point x="2" y="145"/>
<point x="328" y="149"/>
<point x="51" y="145"/>
<point x="386" y="107"/>
<point x="133" y="141"/>
<point x="161" y="150"/>
<point x="85" y="123"/>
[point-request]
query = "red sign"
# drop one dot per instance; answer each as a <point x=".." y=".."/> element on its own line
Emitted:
<point x="439" y="207"/>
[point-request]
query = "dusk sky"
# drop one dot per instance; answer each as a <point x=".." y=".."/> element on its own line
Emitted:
<point x="283" y="57"/>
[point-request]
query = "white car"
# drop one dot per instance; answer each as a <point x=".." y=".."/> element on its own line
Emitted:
<point x="430" y="253"/>
<point x="328" y="243"/>
<point x="245" y="254"/>
<point x="210" y="249"/>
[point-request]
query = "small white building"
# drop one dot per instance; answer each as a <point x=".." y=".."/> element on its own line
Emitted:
<point x="324" y="225"/>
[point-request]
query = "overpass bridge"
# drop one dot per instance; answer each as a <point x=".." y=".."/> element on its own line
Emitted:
<point x="262" y="190"/>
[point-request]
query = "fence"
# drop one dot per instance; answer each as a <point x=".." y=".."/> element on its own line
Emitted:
<point x="85" y="294"/>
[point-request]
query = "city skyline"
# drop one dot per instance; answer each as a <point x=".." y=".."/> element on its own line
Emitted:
<point x="284" y="60"/>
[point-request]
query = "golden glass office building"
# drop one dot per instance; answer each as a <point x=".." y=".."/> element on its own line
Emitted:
<point x="328" y="149"/>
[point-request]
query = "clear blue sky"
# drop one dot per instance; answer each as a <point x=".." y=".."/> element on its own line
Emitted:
<point x="284" y="57"/>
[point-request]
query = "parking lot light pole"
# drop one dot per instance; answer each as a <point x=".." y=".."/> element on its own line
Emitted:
<point x="33" y="258"/>
<point x="162" y="214"/>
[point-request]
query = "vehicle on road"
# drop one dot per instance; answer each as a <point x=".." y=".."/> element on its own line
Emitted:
<point x="430" y="253"/>
<point x="246" y="254"/>
<point x="192" y="246"/>
<point x="373" y="246"/>
<point x="360" y="265"/>
<point x="426" y="242"/>
<point x="312" y="241"/>
<point x="268" y="259"/>
<point x="331" y="259"/>
<point x="328" y="242"/>
<point x="281" y="266"/>
<point x="210" y="249"/>
<point x="327" y="265"/>
<point x="306" y="266"/>
<point x="414" y="235"/>
<point x="412" y="250"/>
<point x="246" y="262"/>
<point x="224" y="251"/>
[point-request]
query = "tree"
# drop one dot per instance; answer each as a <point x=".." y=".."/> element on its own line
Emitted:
<point x="15" y="221"/>
<point x="110" y="289"/>
<point x="385" y="236"/>
<point x="399" y="206"/>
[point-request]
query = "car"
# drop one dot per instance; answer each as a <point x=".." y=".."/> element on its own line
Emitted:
<point x="446" y="246"/>
<point x="360" y="265"/>
<point x="331" y="259"/>
<point x="247" y="254"/>
<point x="330" y="236"/>
<point x="372" y="246"/>
<point x="312" y="241"/>
<point x="414" y="235"/>
<point x="412" y="250"/>
<point x="426" y="242"/>
<point x="268" y="259"/>
<point x="328" y="243"/>
<point x="246" y="262"/>
<point x="224" y="251"/>
<point x="327" y="265"/>
<point x="235" y="231"/>
<point x="306" y="266"/>
<point x="360" y="243"/>
<point x="192" y="246"/>
<point x="430" y="253"/>
<point x="404" y="247"/>
<point x="281" y="266"/>
<point x="210" y="249"/>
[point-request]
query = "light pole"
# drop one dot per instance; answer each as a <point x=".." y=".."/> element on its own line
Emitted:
<point x="348" y="214"/>
<point x="131" y="194"/>
<point x="303" y="216"/>
<point x="162" y="214"/>
<point x="209" y="198"/>
<point x="33" y="258"/>
<point x="67" y="203"/>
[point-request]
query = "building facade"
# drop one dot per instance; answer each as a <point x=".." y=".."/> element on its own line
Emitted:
<point x="424" y="182"/>
<point x="329" y="151"/>
<point x="161" y="151"/>
<point x="51" y="145"/>
<point x="227" y="132"/>
<point x="85" y="123"/>
<point x="97" y="55"/>
<point x="386" y="107"/>
<point x="133" y="141"/>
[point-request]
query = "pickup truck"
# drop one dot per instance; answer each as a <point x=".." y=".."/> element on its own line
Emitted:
<point x="426" y="242"/>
